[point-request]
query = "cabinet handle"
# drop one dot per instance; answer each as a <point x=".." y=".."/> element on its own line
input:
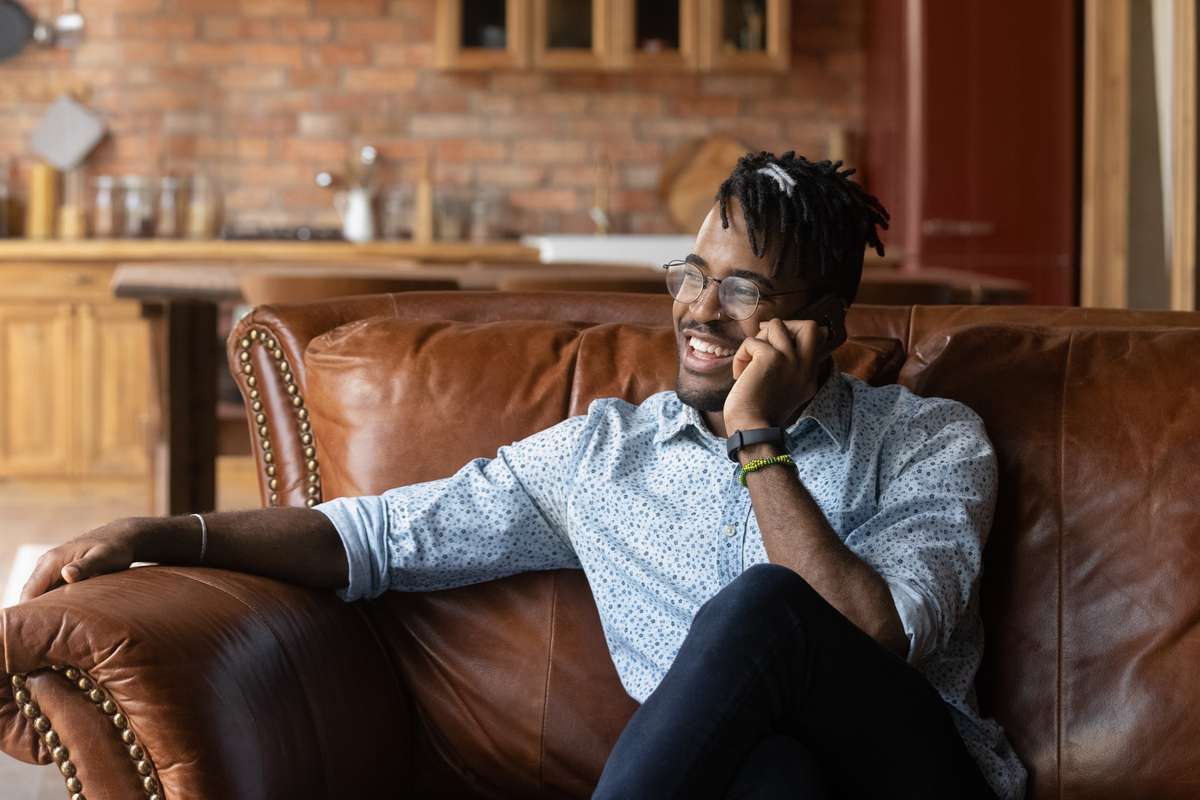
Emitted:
<point x="957" y="227"/>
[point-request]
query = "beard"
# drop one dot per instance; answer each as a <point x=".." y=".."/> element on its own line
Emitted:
<point x="702" y="398"/>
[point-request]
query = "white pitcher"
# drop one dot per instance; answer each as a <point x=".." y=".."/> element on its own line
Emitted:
<point x="358" y="218"/>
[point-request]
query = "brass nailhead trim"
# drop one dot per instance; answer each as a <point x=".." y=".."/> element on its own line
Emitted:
<point x="312" y="468"/>
<point x="53" y="742"/>
<point x="142" y="764"/>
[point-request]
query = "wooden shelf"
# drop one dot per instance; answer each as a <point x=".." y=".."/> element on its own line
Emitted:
<point x="117" y="250"/>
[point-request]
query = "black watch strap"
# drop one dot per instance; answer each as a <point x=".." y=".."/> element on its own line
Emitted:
<point x="755" y="436"/>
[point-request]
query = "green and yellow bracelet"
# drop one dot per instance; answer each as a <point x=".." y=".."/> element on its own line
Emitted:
<point x="758" y="463"/>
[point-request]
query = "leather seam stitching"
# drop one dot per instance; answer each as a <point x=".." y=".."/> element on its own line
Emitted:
<point x="1058" y="699"/>
<point x="546" y="689"/>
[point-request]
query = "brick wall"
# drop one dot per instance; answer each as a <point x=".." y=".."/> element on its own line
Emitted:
<point x="267" y="92"/>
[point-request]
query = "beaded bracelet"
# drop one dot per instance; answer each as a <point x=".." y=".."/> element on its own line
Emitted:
<point x="759" y="463"/>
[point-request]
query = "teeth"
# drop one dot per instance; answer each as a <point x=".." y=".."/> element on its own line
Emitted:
<point x="705" y="347"/>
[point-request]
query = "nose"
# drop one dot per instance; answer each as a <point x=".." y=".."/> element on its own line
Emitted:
<point x="707" y="306"/>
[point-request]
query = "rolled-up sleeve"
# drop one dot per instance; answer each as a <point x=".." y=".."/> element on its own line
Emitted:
<point x="494" y="517"/>
<point x="937" y="495"/>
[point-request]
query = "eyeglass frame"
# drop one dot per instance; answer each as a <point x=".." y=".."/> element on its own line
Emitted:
<point x="683" y="262"/>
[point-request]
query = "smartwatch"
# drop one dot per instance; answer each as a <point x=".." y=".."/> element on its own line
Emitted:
<point x="755" y="436"/>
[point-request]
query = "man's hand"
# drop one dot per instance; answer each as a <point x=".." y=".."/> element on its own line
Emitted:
<point x="109" y="548"/>
<point x="775" y="374"/>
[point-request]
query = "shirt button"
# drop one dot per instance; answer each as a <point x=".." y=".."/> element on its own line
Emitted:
<point x="730" y="530"/>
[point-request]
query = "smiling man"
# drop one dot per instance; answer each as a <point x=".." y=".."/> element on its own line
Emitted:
<point x="789" y="581"/>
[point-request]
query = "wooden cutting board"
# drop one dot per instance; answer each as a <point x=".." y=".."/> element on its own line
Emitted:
<point x="692" y="176"/>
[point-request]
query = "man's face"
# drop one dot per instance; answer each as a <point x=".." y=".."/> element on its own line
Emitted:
<point x="705" y="378"/>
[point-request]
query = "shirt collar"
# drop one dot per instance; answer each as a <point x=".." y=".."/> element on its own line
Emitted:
<point x="830" y="408"/>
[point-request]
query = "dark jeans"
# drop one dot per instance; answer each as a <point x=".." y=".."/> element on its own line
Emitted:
<point x="776" y="694"/>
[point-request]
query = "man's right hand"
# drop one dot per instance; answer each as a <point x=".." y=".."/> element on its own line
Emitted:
<point x="109" y="548"/>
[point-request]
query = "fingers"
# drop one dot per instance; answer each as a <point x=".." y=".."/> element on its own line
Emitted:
<point x="779" y="337"/>
<point x="756" y="350"/>
<point x="45" y="575"/>
<point x="70" y="563"/>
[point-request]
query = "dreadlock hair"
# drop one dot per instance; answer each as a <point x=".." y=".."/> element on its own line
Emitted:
<point x="824" y="219"/>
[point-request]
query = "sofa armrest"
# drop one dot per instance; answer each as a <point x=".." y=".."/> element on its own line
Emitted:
<point x="202" y="683"/>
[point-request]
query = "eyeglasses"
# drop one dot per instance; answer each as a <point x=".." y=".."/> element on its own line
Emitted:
<point x="739" y="297"/>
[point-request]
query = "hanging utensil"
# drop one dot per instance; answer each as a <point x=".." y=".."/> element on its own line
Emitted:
<point x="16" y="28"/>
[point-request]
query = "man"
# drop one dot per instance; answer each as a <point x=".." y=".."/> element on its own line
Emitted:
<point x="785" y="560"/>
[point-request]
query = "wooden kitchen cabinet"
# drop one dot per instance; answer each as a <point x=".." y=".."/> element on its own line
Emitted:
<point x="708" y="35"/>
<point x="745" y="35"/>
<point x="36" y="389"/>
<point x="75" y="376"/>
<point x="656" y="34"/>
<point x="482" y="34"/>
<point x="115" y="390"/>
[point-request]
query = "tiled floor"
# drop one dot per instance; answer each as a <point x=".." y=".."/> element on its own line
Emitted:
<point x="39" y="513"/>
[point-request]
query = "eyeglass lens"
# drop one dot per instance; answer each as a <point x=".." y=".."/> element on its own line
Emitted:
<point x="738" y="296"/>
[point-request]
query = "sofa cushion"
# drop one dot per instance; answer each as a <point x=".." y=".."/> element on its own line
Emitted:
<point x="1091" y="586"/>
<point x="401" y="401"/>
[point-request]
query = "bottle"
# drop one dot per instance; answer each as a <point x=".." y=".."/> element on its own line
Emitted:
<point x="168" y="222"/>
<point x="104" y="207"/>
<point x="72" y="222"/>
<point x="202" y="208"/>
<point x="423" y="211"/>
<point x="43" y="201"/>
<point x="139" y="208"/>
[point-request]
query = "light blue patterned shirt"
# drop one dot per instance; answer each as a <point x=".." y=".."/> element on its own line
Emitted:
<point x="645" y="500"/>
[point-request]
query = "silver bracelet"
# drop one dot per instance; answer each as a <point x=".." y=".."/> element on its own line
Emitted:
<point x="203" y="536"/>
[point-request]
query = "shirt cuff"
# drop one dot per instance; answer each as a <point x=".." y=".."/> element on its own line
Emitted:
<point x="361" y="523"/>
<point x="915" y="617"/>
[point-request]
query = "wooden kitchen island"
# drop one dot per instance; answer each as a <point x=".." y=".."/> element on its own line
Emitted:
<point x="95" y="386"/>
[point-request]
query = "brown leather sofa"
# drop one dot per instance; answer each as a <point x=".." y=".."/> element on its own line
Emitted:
<point x="199" y="683"/>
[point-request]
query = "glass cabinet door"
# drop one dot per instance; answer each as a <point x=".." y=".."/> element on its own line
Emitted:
<point x="481" y="34"/>
<point x="571" y="34"/>
<point x="747" y="34"/>
<point x="657" y="34"/>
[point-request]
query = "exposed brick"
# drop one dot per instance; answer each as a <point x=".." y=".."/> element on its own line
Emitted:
<point x="330" y="152"/>
<point x="305" y="30"/>
<point x="370" y="31"/>
<point x="469" y="150"/>
<point x="322" y="125"/>
<point x="439" y="125"/>
<point x="350" y="8"/>
<point x="549" y="150"/>
<point x="391" y="54"/>
<point x="207" y="53"/>
<point x="251" y="78"/>
<point x="510" y="175"/>
<point x="381" y="80"/>
<point x="629" y="104"/>
<point x="706" y="106"/>
<point x="295" y="81"/>
<point x="337" y="55"/>
<point x="272" y="8"/>
<point x="139" y="27"/>
<point x="545" y="199"/>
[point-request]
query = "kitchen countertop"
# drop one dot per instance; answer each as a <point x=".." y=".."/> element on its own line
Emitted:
<point x="129" y="250"/>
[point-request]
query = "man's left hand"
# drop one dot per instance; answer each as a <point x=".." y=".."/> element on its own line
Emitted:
<point x="775" y="373"/>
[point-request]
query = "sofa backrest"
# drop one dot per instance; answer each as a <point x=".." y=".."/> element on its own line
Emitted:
<point x="1089" y="594"/>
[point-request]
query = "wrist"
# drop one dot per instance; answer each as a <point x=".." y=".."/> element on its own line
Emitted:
<point x="755" y="451"/>
<point x="166" y="540"/>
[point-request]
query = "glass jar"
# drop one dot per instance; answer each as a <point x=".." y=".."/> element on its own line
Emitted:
<point x="397" y="213"/>
<point x="202" y="208"/>
<point x="72" y="221"/>
<point x="169" y="222"/>
<point x="105" y="207"/>
<point x="139" y="207"/>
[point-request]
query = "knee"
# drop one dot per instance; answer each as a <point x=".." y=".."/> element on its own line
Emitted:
<point x="762" y="592"/>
